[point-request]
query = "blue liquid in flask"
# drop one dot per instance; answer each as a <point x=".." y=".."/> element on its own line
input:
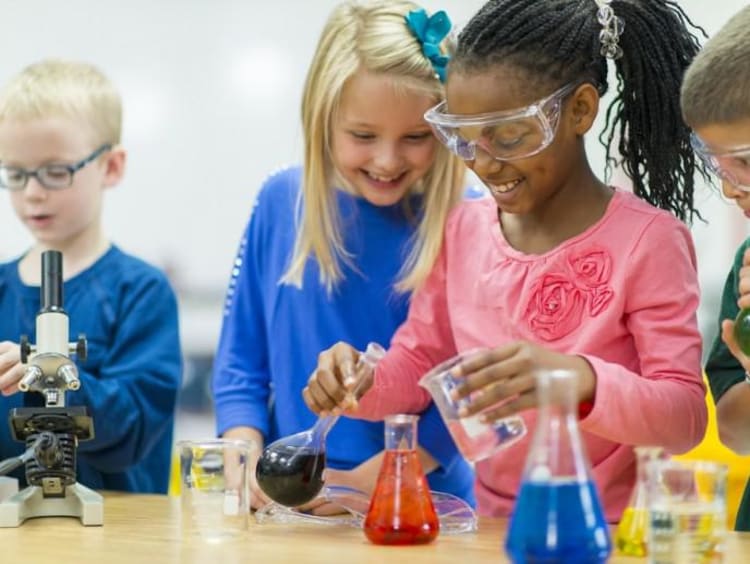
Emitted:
<point x="558" y="521"/>
<point x="558" y="517"/>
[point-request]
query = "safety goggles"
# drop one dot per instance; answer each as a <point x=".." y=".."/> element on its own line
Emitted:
<point x="506" y="135"/>
<point x="732" y="166"/>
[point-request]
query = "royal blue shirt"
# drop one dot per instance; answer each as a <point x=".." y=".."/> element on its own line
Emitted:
<point x="272" y="333"/>
<point x="129" y="382"/>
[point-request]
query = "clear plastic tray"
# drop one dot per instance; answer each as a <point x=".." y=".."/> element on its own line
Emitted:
<point x="456" y="516"/>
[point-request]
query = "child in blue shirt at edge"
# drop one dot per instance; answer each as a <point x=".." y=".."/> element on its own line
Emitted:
<point x="715" y="101"/>
<point x="60" y="125"/>
<point x="333" y="248"/>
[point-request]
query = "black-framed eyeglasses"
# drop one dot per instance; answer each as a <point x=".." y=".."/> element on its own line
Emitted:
<point x="51" y="176"/>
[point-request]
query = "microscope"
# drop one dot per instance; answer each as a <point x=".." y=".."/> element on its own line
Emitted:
<point x="50" y="433"/>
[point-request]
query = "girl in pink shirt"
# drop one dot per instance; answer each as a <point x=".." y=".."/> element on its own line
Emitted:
<point x="559" y="269"/>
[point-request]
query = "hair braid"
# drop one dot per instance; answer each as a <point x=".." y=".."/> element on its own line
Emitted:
<point x="557" y="41"/>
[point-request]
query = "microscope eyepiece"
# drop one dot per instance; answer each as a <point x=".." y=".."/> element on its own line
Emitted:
<point x="52" y="281"/>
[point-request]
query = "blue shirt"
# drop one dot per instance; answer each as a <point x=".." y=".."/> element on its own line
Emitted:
<point x="129" y="382"/>
<point x="272" y="333"/>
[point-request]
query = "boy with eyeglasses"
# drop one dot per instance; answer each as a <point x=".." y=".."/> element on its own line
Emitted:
<point x="60" y="150"/>
<point x="716" y="104"/>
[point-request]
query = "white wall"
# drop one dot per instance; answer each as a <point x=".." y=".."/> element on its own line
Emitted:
<point x="211" y="91"/>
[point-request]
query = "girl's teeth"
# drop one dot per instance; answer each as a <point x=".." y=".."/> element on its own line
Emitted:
<point x="382" y="178"/>
<point x="507" y="187"/>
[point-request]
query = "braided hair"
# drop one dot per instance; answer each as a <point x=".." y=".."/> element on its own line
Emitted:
<point x="557" y="41"/>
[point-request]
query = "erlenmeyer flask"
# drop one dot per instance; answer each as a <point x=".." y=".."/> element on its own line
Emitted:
<point x="401" y="509"/>
<point x="558" y="517"/>
<point x="632" y="532"/>
<point x="290" y="469"/>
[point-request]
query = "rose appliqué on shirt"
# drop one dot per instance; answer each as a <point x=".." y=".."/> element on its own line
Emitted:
<point x="559" y="300"/>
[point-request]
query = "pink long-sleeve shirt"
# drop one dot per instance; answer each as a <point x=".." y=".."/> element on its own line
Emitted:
<point x="623" y="294"/>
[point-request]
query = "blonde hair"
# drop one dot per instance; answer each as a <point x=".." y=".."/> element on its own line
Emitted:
<point x="716" y="84"/>
<point x="58" y="88"/>
<point x="372" y="36"/>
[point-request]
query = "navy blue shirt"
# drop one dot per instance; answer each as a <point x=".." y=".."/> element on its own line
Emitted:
<point x="272" y="333"/>
<point x="129" y="382"/>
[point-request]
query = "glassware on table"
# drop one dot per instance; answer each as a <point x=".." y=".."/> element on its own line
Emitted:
<point x="475" y="439"/>
<point x="290" y="469"/>
<point x="455" y="515"/>
<point x="214" y="493"/>
<point x="631" y="537"/>
<point x="401" y="509"/>
<point x="687" y="511"/>
<point x="558" y="516"/>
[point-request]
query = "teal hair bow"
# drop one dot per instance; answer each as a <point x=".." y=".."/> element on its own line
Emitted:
<point x="430" y="31"/>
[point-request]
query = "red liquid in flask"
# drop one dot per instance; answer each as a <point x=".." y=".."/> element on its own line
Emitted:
<point x="401" y="510"/>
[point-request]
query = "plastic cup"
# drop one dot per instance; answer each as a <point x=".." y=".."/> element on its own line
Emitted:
<point x="687" y="511"/>
<point x="475" y="439"/>
<point x="214" y="488"/>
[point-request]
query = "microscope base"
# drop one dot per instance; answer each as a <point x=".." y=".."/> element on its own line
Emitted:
<point x="79" y="501"/>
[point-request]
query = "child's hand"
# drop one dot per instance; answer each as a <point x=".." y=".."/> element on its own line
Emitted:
<point x="744" y="282"/>
<point x="362" y="478"/>
<point x="11" y="369"/>
<point x="330" y="388"/>
<point x="727" y="335"/>
<point x="257" y="498"/>
<point x="506" y="375"/>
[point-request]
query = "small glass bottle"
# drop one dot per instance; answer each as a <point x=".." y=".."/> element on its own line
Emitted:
<point x="558" y="517"/>
<point x="631" y="537"/>
<point x="401" y="509"/>
<point x="742" y="330"/>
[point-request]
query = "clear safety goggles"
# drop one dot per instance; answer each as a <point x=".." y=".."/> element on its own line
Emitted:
<point x="506" y="135"/>
<point x="732" y="166"/>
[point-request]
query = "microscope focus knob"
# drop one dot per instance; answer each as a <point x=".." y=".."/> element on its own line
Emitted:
<point x="81" y="348"/>
<point x="25" y="348"/>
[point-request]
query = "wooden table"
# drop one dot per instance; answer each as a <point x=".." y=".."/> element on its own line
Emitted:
<point x="145" y="529"/>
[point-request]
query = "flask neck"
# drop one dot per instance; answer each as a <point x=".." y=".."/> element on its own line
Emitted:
<point x="643" y="456"/>
<point x="557" y="448"/>
<point x="401" y="432"/>
<point x="557" y="391"/>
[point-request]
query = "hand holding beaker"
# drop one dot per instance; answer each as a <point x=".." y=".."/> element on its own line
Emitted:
<point x="290" y="469"/>
<point x="500" y="382"/>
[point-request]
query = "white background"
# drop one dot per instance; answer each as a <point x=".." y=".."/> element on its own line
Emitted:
<point x="211" y="92"/>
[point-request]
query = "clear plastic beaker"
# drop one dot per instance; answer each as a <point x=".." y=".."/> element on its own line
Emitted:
<point x="687" y="511"/>
<point x="558" y="516"/>
<point x="475" y="439"/>
<point x="214" y="487"/>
